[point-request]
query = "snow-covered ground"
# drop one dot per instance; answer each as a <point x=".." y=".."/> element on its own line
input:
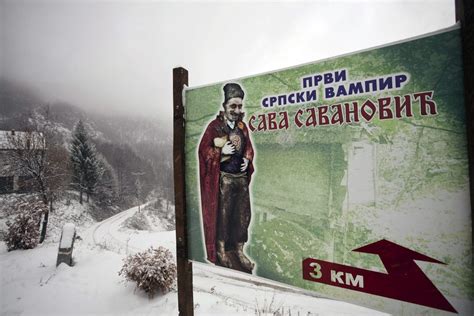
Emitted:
<point x="32" y="285"/>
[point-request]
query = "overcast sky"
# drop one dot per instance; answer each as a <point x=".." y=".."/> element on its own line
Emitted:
<point x="117" y="56"/>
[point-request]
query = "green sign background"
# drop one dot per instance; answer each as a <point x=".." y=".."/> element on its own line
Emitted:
<point x="303" y="202"/>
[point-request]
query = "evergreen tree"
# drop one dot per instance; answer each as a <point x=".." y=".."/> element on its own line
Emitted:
<point x="87" y="168"/>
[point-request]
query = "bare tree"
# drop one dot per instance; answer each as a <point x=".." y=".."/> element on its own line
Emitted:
<point x="27" y="154"/>
<point x="36" y="154"/>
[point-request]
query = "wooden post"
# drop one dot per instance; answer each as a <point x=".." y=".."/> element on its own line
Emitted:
<point x="185" y="268"/>
<point x="66" y="245"/>
<point x="465" y="15"/>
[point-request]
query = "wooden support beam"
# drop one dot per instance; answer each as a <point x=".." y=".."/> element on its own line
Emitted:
<point x="465" y="15"/>
<point x="185" y="269"/>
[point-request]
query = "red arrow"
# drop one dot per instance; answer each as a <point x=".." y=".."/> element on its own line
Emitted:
<point x="405" y="281"/>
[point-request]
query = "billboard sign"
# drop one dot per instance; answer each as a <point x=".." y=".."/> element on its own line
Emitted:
<point x="346" y="176"/>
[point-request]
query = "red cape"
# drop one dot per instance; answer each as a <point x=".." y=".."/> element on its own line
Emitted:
<point x="209" y="171"/>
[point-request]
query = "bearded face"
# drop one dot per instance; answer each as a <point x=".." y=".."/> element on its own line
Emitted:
<point x="232" y="109"/>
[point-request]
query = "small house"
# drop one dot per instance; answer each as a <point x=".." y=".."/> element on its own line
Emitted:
<point x="13" y="179"/>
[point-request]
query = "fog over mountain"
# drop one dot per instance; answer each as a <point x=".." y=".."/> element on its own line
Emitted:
<point x="128" y="147"/>
<point x="114" y="57"/>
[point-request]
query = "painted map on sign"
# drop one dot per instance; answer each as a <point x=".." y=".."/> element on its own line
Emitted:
<point x="356" y="169"/>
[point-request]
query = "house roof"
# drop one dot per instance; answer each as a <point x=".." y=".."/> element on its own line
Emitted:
<point x="6" y="136"/>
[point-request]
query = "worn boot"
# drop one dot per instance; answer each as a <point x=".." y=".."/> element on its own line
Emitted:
<point x="222" y="257"/>
<point x="244" y="261"/>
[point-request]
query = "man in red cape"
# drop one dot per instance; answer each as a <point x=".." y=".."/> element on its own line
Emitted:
<point x="225" y="169"/>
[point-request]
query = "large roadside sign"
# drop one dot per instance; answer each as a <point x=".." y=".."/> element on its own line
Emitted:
<point x="347" y="176"/>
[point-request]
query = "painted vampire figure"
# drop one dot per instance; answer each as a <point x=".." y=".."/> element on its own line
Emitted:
<point x="225" y="169"/>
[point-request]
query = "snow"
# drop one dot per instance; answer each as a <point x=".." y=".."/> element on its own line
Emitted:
<point x="6" y="135"/>
<point x="19" y="138"/>
<point x="67" y="238"/>
<point x="32" y="285"/>
<point x="65" y="211"/>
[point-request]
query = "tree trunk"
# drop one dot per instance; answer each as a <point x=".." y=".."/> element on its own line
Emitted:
<point x="80" y="196"/>
<point x="45" y="223"/>
<point x="87" y="194"/>
<point x="42" y="186"/>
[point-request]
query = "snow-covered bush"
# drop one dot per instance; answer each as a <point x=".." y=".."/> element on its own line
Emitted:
<point x="138" y="221"/>
<point x="23" y="232"/>
<point x="153" y="270"/>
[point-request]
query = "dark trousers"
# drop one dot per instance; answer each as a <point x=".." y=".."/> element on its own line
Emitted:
<point x="233" y="216"/>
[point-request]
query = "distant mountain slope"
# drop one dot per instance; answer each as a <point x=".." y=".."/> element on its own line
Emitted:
<point x="18" y="101"/>
<point x="16" y="98"/>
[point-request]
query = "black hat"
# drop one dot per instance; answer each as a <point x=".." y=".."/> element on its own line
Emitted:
<point x="233" y="90"/>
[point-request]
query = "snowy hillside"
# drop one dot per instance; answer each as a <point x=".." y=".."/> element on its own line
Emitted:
<point x="32" y="285"/>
